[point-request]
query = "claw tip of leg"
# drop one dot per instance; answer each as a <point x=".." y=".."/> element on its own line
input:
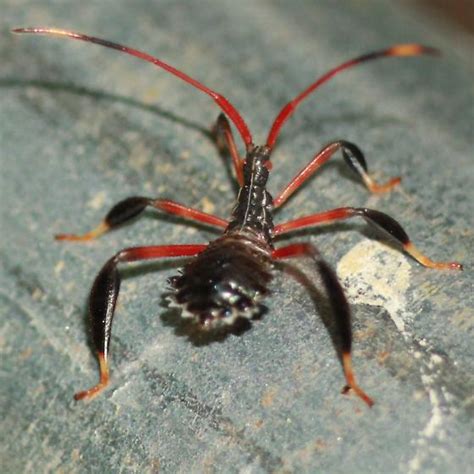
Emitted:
<point x="361" y="394"/>
<point x="80" y="395"/>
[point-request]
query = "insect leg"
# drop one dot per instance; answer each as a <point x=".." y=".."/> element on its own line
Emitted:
<point x="376" y="218"/>
<point x="103" y="298"/>
<point x="224" y="134"/>
<point x="352" y="156"/>
<point x="339" y="306"/>
<point x="131" y="207"/>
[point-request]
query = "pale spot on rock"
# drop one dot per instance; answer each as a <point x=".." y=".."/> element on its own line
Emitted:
<point x="207" y="205"/>
<point x="374" y="274"/>
<point x="97" y="201"/>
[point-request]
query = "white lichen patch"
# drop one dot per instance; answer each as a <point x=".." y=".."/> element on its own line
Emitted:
<point x="185" y="154"/>
<point x="207" y="205"/>
<point x="37" y="294"/>
<point x="59" y="267"/>
<point x="140" y="154"/>
<point x="151" y="94"/>
<point x="163" y="168"/>
<point x="374" y="274"/>
<point x="97" y="201"/>
<point x="441" y="411"/>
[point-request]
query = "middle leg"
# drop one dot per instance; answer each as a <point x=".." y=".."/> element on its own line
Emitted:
<point x="377" y="218"/>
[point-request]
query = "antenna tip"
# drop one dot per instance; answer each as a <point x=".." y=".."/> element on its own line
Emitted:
<point x="29" y="30"/>
<point x="412" y="50"/>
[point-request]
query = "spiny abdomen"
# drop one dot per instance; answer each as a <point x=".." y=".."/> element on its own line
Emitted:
<point x="225" y="282"/>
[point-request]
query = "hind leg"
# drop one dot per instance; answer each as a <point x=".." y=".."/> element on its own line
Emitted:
<point x="340" y="308"/>
<point x="103" y="298"/>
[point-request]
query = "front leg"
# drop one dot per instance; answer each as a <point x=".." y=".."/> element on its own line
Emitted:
<point x="354" y="159"/>
<point x="225" y="138"/>
<point x="103" y="298"/>
<point x="132" y="207"/>
<point x="339" y="306"/>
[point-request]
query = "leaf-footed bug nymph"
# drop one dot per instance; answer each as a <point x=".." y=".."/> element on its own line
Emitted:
<point x="227" y="279"/>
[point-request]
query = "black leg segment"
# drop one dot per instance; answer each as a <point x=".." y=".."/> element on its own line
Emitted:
<point x="130" y="208"/>
<point x="339" y="306"/>
<point x="354" y="158"/>
<point x="103" y="299"/>
<point x="379" y="219"/>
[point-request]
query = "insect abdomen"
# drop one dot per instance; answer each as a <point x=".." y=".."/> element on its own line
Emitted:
<point x="225" y="282"/>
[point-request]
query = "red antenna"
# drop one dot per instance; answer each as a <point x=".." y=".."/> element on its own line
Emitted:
<point x="396" y="50"/>
<point x="221" y="101"/>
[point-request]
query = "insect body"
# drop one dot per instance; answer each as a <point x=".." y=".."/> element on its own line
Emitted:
<point x="227" y="279"/>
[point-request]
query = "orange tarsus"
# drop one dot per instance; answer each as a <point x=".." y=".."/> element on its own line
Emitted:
<point x="351" y="383"/>
<point x="102" y="228"/>
<point x="411" y="50"/>
<point x="374" y="187"/>
<point x="427" y="262"/>
<point x="103" y="382"/>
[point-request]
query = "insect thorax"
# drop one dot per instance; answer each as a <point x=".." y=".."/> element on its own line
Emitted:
<point x="253" y="209"/>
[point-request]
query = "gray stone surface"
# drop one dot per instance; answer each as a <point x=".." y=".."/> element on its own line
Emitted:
<point x="83" y="127"/>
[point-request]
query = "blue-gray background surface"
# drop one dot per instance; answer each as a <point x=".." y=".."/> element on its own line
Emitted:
<point x="82" y="127"/>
